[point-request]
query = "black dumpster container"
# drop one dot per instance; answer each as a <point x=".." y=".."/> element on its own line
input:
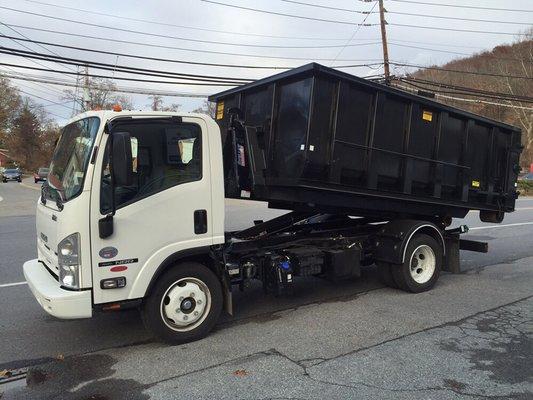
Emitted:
<point x="315" y="137"/>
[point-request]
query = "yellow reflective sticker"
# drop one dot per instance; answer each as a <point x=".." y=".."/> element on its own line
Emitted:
<point x="427" y="116"/>
<point x="220" y="110"/>
<point x="475" y="184"/>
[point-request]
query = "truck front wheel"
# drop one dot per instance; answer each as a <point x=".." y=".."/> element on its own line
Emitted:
<point x="422" y="265"/>
<point x="184" y="305"/>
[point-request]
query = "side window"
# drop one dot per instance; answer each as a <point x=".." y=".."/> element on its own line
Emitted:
<point x="163" y="155"/>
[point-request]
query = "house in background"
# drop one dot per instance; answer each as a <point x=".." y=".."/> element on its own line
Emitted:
<point x="4" y="158"/>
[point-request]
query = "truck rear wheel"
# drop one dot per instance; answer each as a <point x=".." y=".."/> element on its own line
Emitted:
<point x="421" y="267"/>
<point x="184" y="305"/>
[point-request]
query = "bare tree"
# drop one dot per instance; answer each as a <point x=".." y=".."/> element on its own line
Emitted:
<point x="10" y="101"/>
<point x="157" y="104"/>
<point x="508" y="61"/>
<point x="100" y="94"/>
<point x="207" y="107"/>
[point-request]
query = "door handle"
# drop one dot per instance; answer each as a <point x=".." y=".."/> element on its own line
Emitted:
<point x="200" y="221"/>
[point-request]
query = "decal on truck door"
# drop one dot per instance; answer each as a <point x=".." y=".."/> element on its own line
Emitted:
<point x="118" y="262"/>
<point x="108" y="252"/>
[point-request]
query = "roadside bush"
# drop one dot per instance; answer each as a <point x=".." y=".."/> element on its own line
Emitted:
<point x="525" y="188"/>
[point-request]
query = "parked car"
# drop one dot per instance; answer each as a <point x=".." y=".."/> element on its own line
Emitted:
<point x="11" y="174"/>
<point x="527" y="177"/>
<point x="41" y="175"/>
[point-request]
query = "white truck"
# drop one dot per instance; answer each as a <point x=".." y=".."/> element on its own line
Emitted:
<point x="133" y="211"/>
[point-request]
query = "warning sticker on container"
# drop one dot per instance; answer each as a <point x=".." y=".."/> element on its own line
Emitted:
<point x="475" y="184"/>
<point x="427" y="116"/>
<point x="241" y="160"/>
<point x="220" y="110"/>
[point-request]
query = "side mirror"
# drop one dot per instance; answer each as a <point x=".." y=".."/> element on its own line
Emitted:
<point x="121" y="159"/>
<point x="105" y="226"/>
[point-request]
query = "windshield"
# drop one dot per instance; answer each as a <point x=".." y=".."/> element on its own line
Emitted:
<point x="43" y="170"/>
<point x="12" y="171"/>
<point x="71" y="157"/>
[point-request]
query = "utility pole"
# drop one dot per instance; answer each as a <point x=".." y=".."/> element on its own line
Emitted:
<point x="76" y="92"/>
<point x="86" y="95"/>
<point x="384" y="42"/>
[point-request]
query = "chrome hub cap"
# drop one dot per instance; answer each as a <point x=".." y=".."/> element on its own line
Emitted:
<point x="422" y="264"/>
<point x="185" y="304"/>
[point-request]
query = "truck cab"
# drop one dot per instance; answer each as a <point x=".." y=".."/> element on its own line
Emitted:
<point x="127" y="194"/>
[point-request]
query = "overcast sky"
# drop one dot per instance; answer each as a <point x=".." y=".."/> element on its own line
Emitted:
<point x="246" y="29"/>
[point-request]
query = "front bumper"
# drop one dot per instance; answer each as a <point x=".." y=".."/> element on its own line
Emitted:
<point x="60" y="303"/>
<point x="11" y="178"/>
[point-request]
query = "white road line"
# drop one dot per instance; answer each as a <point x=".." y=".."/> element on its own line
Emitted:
<point x="1" y="198"/>
<point x="523" y="208"/>
<point x="13" y="284"/>
<point x="500" y="226"/>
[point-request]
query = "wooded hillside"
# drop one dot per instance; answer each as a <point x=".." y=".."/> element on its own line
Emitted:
<point x="502" y="83"/>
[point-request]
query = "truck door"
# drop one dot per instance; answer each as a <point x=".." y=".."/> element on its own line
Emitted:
<point x="167" y="208"/>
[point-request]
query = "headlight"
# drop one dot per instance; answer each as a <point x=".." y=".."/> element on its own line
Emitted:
<point x="69" y="258"/>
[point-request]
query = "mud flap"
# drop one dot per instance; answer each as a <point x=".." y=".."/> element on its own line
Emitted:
<point x="454" y="244"/>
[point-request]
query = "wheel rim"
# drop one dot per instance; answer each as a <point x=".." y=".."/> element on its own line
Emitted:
<point x="185" y="304"/>
<point x="423" y="263"/>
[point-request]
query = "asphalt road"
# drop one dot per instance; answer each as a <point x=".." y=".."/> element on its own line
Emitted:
<point x="470" y="337"/>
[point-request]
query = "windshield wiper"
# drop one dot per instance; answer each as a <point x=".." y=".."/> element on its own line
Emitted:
<point x="59" y="202"/>
<point x="46" y="189"/>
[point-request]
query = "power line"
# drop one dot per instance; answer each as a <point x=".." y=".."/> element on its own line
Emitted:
<point x="458" y="71"/>
<point x="355" y="32"/>
<point x="120" y="68"/>
<point x="156" y="58"/>
<point x="467" y="91"/>
<point x="136" y="71"/>
<point x="351" y="23"/>
<point x="439" y="44"/>
<point x="459" y="53"/>
<point x="455" y="29"/>
<point x="122" y="17"/>
<point x="85" y="23"/>
<point x="26" y="37"/>
<point x="465" y="88"/>
<point x="461" y="6"/>
<point x="153" y="45"/>
<point x="48" y="91"/>
<point x="469" y="100"/>
<point x="52" y="103"/>
<point x="404" y="13"/>
<point x="460" y="18"/>
<point x="273" y="67"/>
<point x="284" y="14"/>
<point x="30" y="78"/>
<point x="18" y="40"/>
<point x="122" y="78"/>
<point x="328" y="7"/>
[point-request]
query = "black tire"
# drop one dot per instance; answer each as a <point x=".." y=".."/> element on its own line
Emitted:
<point x="152" y="314"/>
<point x="385" y="274"/>
<point x="402" y="273"/>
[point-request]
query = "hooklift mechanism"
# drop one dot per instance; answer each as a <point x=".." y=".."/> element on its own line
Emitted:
<point x="335" y="247"/>
<point x="309" y="241"/>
